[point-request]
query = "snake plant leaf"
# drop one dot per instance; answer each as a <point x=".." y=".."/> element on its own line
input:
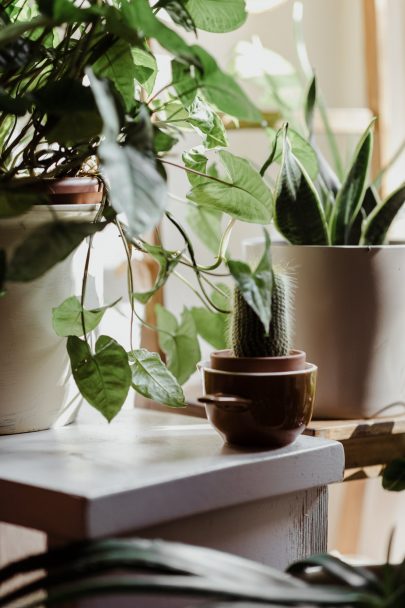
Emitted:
<point x="350" y="196"/>
<point x="394" y="475"/>
<point x="167" y="261"/>
<point x="376" y="226"/>
<point x="179" y="342"/>
<point x="67" y="317"/>
<point x="217" y="15"/>
<point x="136" y="187"/>
<point x="310" y="103"/>
<point x="243" y="195"/>
<point x="300" y="147"/>
<point x="152" y="379"/>
<point x="103" y="378"/>
<point x="299" y="215"/>
<point x="223" y="91"/>
<point x="256" y="285"/>
<point x="371" y="200"/>
<point x="47" y="245"/>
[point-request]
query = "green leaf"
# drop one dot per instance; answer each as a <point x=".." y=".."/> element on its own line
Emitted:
<point x="184" y="83"/>
<point x="67" y="317"/>
<point x="73" y="128"/>
<point x="211" y="326"/>
<point x="117" y="65"/>
<point x="47" y="245"/>
<point x="167" y="262"/>
<point x="206" y="225"/>
<point x="222" y="90"/>
<point x="376" y="226"/>
<point x="301" y="149"/>
<point x="310" y="103"/>
<point x="178" y="13"/>
<point x="207" y="122"/>
<point x="394" y="475"/>
<point x="17" y="201"/>
<point x="139" y="16"/>
<point x="145" y="68"/>
<point x="350" y="196"/>
<point x="256" y="285"/>
<point x="152" y="379"/>
<point x="371" y="200"/>
<point x="179" y="342"/>
<point x="196" y="160"/>
<point x="162" y="141"/>
<point x="217" y="15"/>
<point x="299" y="215"/>
<point x="136" y="187"/>
<point x="245" y="197"/>
<point x="102" y="378"/>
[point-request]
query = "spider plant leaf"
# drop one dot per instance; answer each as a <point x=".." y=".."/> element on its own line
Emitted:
<point x="351" y="194"/>
<point x="299" y="215"/>
<point x="376" y="226"/>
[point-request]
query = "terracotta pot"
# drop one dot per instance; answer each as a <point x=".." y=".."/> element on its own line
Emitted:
<point x="259" y="409"/>
<point x="71" y="190"/>
<point x="36" y="386"/>
<point x="225" y="361"/>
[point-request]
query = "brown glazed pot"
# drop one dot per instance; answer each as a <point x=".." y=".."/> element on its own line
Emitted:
<point x="267" y="410"/>
<point x="225" y="361"/>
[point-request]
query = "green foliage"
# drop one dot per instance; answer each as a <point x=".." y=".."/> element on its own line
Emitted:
<point x="138" y="567"/>
<point x="394" y="475"/>
<point x="217" y="15"/>
<point x="47" y="245"/>
<point x="103" y="377"/>
<point x="242" y="193"/>
<point x="179" y="342"/>
<point x="213" y="326"/>
<point x="69" y="317"/>
<point x="152" y="379"/>
<point x="167" y="261"/>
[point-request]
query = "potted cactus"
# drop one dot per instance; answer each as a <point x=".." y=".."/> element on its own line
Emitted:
<point x="261" y="391"/>
<point x="350" y="281"/>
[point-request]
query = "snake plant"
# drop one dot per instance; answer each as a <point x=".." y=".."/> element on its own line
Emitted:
<point x="137" y="567"/>
<point x="326" y="211"/>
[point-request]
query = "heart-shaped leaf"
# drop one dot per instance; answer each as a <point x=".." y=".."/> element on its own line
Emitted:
<point x="102" y="378"/>
<point x="244" y="194"/>
<point x="298" y="210"/>
<point x="167" y="262"/>
<point x="152" y="379"/>
<point x="256" y="285"/>
<point x="67" y="317"/>
<point x="47" y="245"/>
<point x="179" y="342"/>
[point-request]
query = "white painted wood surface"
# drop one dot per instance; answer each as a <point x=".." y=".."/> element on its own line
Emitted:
<point x="93" y="479"/>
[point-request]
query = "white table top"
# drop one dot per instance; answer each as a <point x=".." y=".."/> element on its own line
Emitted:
<point x="92" y="479"/>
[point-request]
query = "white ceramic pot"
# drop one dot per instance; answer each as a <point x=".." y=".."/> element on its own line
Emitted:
<point x="37" y="390"/>
<point x="350" y="319"/>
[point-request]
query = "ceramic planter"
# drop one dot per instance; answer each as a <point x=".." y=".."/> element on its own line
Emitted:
<point x="259" y="408"/>
<point x="350" y="315"/>
<point x="36" y="386"/>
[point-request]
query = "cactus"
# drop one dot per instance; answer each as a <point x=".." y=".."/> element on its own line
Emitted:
<point x="247" y="333"/>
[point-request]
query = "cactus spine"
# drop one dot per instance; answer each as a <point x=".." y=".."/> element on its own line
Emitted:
<point x="247" y="332"/>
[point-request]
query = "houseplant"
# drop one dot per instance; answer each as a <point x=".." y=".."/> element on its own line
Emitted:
<point x="185" y="573"/>
<point x="349" y="282"/>
<point x="54" y="127"/>
<point x="260" y="392"/>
